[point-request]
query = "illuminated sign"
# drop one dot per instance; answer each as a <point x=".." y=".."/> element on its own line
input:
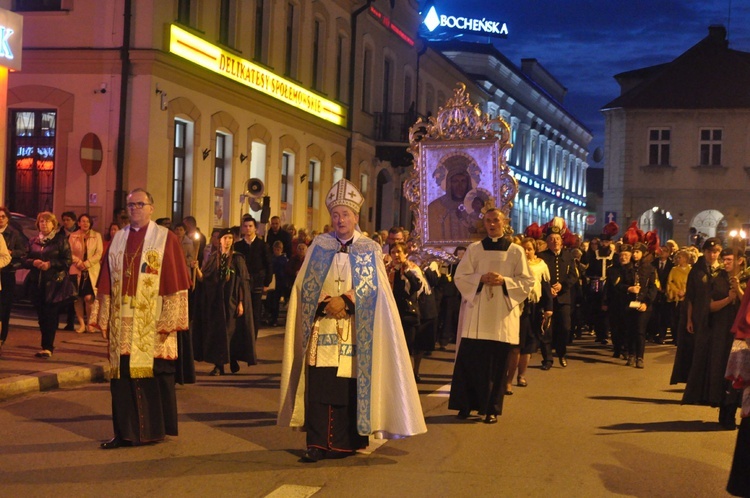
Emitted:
<point x="441" y="23"/>
<point x="386" y="21"/>
<point x="11" y="37"/>
<point x="219" y="61"/>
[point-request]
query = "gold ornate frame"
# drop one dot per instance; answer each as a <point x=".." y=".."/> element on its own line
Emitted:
<point x="460" y="140"/>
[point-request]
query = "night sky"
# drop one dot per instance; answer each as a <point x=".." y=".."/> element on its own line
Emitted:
<point x="584" y="43"/>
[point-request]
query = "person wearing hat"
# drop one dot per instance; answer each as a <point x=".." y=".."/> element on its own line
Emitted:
<point x="346" y="372"/>
<point x="697" y="303"/>
<point x="615" y="301"/>
<point x="223" y="329"/>
<point x="640" y="282"/>
<point x="563" y="278"/>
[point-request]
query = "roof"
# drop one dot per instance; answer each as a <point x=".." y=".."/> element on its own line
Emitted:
<point x="709" y="75"/>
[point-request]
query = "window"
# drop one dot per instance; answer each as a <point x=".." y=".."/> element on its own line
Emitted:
<point x="338" y="174"/>
<point x="364" y="181"/>
<point x="220" y="160"/>
<point x="227" y="15"/>
<point x="286" y="166"/>
<point x="37" y="5"/>
<point x="387" y="65"/>
<point x="366" y="83"/>
<point x="312" y="176"/>
<point x="179" y="169"/>
<point x="184" y="12"/>
<point x="290" y="63"/>
<point x="259" y="26"/>
<point x="317" y="72"/>
<point x="710" y="147"/>
<point x="658" y="147"/>
<point x="339" y="68"/>
<point x="31" y="161"/>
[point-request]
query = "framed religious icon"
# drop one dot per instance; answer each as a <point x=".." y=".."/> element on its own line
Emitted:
<point x="459" y="172"/>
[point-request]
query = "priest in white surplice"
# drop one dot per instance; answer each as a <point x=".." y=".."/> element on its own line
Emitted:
<point x="494" y="280"/>
<point x="346" y="372"/>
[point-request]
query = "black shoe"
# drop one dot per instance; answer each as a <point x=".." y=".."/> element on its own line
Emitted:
<point x="463" y="414"/>
<point x="69" y="326"/>
<point x="546" y="365"/>
<point x="417" y="378"/>
<point x="234" y="366"/>
<point x="563" y="362"/>
<point x="313" y="455"/>
<point x="217" y="371"/>
<point x="490" y="419"/>
<point x="115" y="442"/>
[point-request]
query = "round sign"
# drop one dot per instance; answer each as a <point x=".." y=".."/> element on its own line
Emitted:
<point x="91" y="154"/>
<point x="591" y="219"/>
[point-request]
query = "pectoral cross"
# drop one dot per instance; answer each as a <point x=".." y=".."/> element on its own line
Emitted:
<point x="339" y="281"/>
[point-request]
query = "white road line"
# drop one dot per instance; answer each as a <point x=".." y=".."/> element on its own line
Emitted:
<point x="293" y="491"/>
<point x="441" y="392"/>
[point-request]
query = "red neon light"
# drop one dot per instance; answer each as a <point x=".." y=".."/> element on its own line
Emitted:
<point x="386" y="21"/>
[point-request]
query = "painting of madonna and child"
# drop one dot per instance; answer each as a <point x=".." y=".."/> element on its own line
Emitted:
<point x="457" y="184"/>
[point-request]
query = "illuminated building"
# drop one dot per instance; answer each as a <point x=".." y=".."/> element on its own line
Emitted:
<point x="676" y="143"/>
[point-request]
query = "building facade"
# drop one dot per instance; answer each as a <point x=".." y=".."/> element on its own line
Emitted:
<point x="192" y="98"/>
<point x="677" y="144"/>
<point x="550" y="146"/>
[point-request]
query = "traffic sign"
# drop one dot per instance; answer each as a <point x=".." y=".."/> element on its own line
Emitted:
<point x="591" y="219"/>
<point x="610" y="216"/>
<point x="91" y="154"/>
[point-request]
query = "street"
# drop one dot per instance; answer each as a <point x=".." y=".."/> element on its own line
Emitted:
<point x="596" y="428"/>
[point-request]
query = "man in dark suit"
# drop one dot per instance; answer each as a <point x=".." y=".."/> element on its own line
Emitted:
<point x="563" y="278"/>
<point x="277" y="233"/>
<point x="258" y="260"/>
<point x="661" y="318"/>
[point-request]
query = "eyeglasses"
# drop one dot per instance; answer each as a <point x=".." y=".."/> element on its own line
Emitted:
<point x="139" y="205"/>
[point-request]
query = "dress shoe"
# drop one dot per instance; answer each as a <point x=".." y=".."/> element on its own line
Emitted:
<point x="234" y="366"/>
<point x="639" y="363"/>
<point x="490" y="419"/>
<point x="508" y="392"/>
<point x="115" y="442"/>
<point x="563" y="362"/>
<point x="546" y="365"/>
<point x="313" y="455"/>
<point x="463" y="414"/>
<point x="521" y="381"/>
<point x="217" y="371"/>
<point x="417" y="378"/>
<point x="630" y="362"/>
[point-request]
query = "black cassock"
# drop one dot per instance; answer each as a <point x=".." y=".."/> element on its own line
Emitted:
<point x="219" y="335"/>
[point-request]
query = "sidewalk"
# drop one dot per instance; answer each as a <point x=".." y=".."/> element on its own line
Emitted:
<point x="78" y="358"/>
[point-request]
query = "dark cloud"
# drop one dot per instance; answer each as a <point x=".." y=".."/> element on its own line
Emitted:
<point x="585" y="43"/>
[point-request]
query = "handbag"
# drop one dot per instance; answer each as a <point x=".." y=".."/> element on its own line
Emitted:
<point x="61" y="289"/>
<point x="409" y="311"/>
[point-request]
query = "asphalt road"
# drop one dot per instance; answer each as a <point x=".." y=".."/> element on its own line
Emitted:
<point x="594" y="429"/>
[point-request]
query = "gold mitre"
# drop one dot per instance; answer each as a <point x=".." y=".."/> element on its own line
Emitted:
<point x="344" y="193"/>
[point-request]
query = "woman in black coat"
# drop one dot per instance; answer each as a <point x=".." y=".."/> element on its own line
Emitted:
<point x="18" y="246"/>
<point x="49" y="258"/>
<point x="223" y="329"/>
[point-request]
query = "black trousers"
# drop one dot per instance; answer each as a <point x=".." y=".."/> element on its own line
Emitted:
<point x="256" y="295"/>
<point x="144" y="410"/>
<point x="48" y="315"/>
<point x="561" y="328"/>
<point x="331" y="411"/>
<point x="739" y="477"/>
<point x="8" y="282"/>
<point x="637" y="323"/>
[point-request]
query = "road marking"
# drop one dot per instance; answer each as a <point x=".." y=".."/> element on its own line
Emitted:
<point x="293" y="491"/>
<point x="441" y="392"/>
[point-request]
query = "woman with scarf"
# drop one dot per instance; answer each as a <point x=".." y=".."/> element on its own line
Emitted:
<point x="87" y="248"/>
<point x="223" y="329"/>
<point x="50" y="288"/>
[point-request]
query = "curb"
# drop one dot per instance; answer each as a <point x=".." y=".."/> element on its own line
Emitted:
<point x="53" y="379"/>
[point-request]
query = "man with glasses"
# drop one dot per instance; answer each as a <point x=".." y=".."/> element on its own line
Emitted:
<point x="141" y="304"/>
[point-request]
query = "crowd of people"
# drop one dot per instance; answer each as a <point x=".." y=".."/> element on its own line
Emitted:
<point x="501" y="300"/>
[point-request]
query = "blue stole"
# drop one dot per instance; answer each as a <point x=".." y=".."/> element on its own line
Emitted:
<point x="365" y="282"/>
